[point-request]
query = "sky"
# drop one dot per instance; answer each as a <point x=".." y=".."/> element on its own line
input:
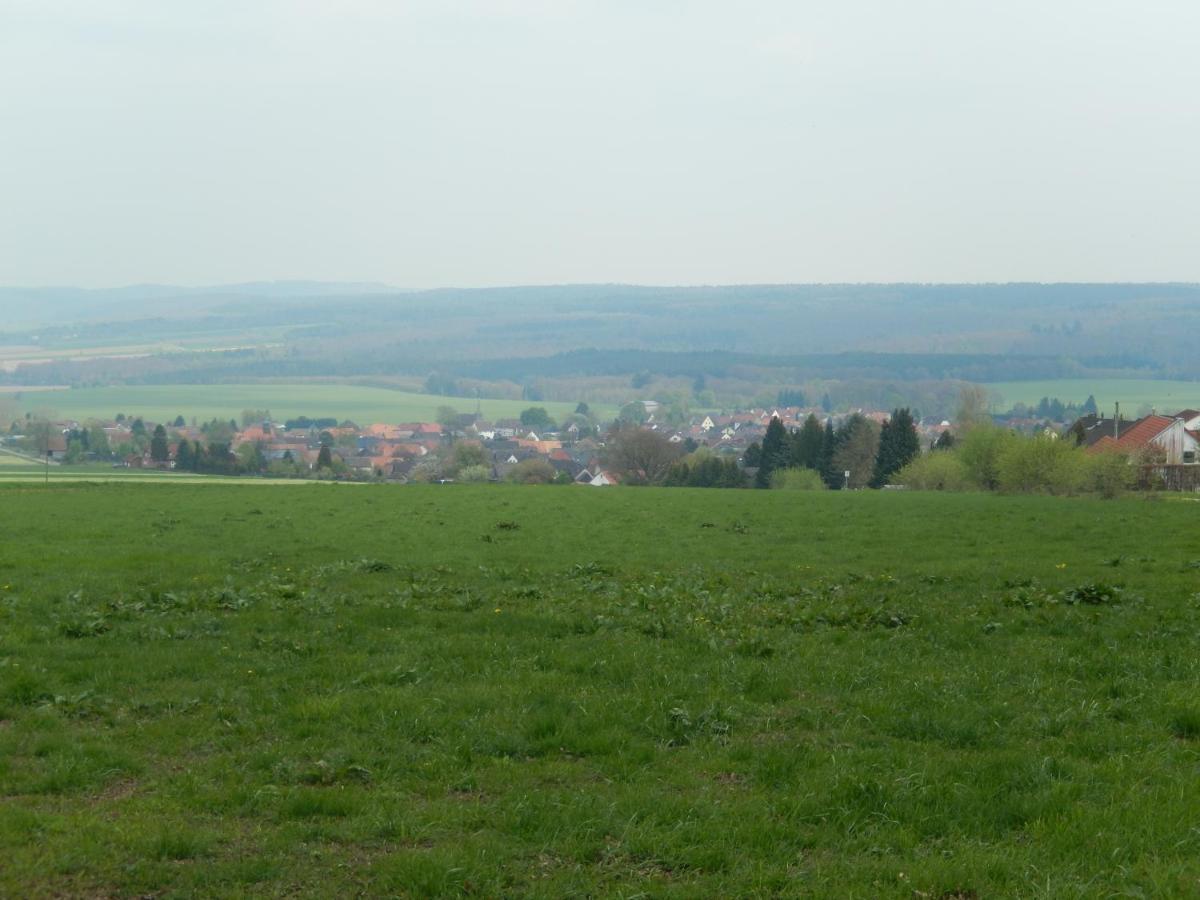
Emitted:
<point x="428" y="143"/>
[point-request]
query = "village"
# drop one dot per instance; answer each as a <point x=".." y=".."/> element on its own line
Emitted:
<point x="532" y="448"/>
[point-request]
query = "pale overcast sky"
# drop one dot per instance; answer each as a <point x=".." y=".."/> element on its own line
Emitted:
<point x="451" y="142"/>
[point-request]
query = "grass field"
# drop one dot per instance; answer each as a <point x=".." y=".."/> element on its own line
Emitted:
<point x="14" y="461"/>
<point x="96" y="475"/>
<point x="363" y="405"/>
<point x="549" y="692"/>
<point x="1167" y="396"/>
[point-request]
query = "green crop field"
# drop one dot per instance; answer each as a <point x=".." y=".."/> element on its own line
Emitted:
<point x="14" y="461"/>
<point x="1167" y="396"/>
<point x="503" y="691"/>
<point x="363" y="405"/>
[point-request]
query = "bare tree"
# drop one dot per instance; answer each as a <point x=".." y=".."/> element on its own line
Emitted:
<point x="973" y="409"/>
<point x="857" y="451"/>
<point x="640" y="456"/>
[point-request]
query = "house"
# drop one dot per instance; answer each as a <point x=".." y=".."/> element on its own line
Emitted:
<point x="1168" y="435"/>
<point x="1191" y="418"/>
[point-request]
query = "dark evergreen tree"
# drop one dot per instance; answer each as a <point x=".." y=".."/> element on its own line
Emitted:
<point x="1089" y="407"/>
<point x="158" y="445"/>
<point x="1077" y="432"/>
<point x="325" y="458"/>
<point x="775" y="454"/>
<point x="184" y="459"/>
<point x="826" y="403"/>
<point x="945" y="440"/>
<point x="806" y="444"/>
<point x="833" y="478"/>
<point x="753" y="456"/>
<point x="898" y="445"/>
<point x="179" y="422"/>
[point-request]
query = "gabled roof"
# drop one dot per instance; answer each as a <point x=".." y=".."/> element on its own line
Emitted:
<point x="1144" y="431"/>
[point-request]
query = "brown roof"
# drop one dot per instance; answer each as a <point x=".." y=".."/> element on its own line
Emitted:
<point x="1144" y="432"/>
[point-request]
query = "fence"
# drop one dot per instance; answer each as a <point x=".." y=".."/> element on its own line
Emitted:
<point x="1170" y="478"/>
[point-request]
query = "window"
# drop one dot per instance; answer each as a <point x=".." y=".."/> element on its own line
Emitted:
<point x="1189" y="456"/>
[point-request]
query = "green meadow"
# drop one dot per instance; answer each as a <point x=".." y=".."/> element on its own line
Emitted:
<point x="1131" y="393"/>
<point x="553" y="692"/>
<point x="203" y="402"/>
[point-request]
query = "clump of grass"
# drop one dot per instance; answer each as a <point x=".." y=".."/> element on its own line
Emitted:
<point x="1185" y="724"/>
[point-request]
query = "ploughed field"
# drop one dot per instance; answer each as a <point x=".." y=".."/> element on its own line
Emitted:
<point x="516" y="691"/>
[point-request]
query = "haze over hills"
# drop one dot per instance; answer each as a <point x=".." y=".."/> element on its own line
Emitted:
<point x="34" y="307"/>
<point x="564" y="341"/>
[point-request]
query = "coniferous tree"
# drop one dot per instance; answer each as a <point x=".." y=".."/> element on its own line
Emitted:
<point x="806" y="444"/>
<point x="774" y="453"/>
<point x="325" y="458"/>
<point x="833" y="479"/>
<point x="184" y="459"/>
<point x="158" y="445"/>
<point x="1089" y="406"/>
<point x="898" y="445"/>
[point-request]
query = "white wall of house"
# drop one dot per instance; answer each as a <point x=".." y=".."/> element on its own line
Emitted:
<point x="1180" y="446"/>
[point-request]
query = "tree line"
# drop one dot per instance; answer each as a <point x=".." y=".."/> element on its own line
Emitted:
<point x="858" y="453"/>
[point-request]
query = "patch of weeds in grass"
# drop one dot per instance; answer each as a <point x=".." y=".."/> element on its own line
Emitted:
<point x="1094" y="593"/>
<point x="1029" y="594"/>
<point x="84" y="628"/>
<point x="683" y="727"/>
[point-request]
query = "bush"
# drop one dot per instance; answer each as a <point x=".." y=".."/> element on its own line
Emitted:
<point x="532" y="471"/>
<point x="1042" y="464"/>
<point x="474" y="474"/>
<point x="980" y="451"/>
<point x="938" y="471"/>
<point x="797" y="480"/>
<point x="1109" y="474"/>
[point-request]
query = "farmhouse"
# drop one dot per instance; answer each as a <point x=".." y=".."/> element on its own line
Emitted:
<point x="1166" y="436"/>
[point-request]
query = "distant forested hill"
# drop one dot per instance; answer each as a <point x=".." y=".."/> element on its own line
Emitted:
<point x="1109" y="320"/>
<point x="572" y="339"/>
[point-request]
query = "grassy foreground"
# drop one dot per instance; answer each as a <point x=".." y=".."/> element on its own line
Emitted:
<point x="494" y="691"/>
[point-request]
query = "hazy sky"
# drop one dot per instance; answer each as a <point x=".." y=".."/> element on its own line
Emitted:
<point x="450" y="142"/>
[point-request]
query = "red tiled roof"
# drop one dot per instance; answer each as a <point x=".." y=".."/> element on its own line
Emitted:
<point x="1144" y="432"/>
